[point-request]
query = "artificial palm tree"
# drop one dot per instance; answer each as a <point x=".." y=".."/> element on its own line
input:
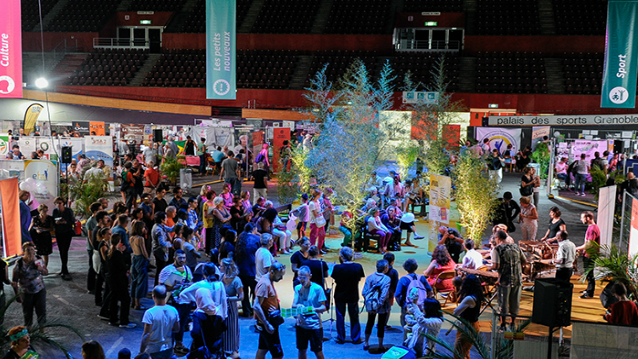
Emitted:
<point x="37" y="333"/>
<point x="614" y="265"/>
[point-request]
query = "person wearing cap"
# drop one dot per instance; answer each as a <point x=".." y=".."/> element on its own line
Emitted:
<point x="20" y="344"/>
<point x="407" y="223"/>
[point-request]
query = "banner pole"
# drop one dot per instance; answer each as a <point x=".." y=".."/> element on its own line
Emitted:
<point x="622" y="218"/>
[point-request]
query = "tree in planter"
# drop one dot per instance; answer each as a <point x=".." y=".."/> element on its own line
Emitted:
<point x="84" y="192"/>
<point x="476" y="195"/>
<point x="541" y="156"/>
<point x="614" y="265"/>
<point x="350" y="141"/>
<point x="171" y="166"/>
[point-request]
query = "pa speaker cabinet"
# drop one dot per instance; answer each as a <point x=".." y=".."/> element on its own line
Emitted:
<point x="157" y="135"/>
<point x="552" y="302"/>
<point x="67" y="154"/>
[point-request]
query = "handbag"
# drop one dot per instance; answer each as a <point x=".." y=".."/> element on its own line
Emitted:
<point x="320" y="221"/>
<point x="97" y="261"/>
<point x="275" y="319"/>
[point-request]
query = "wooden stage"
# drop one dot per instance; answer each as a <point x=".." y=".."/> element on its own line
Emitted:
<point x="589" y="310"/>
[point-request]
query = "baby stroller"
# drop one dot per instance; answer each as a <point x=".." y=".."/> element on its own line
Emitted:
<point x="207" y="336"/>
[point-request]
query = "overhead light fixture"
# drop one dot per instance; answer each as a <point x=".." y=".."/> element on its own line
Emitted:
<point x="493" y="105"/>
<point x="41" y="83"/>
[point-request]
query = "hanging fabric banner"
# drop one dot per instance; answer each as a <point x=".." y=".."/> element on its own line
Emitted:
<point x="10" y="50"/>
<point x="11" y="230"/>
<point x="621" y="55"/>
<point x="220" y="49"/>
<point x="500" y="137"/>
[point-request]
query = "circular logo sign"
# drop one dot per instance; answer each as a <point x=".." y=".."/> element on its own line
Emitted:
<point x="10" y="84"/>
<point x="221" y="87"/>
<point x="618" y="95"/>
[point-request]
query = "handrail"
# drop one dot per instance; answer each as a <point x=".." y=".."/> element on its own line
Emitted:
<point x="58" y="54"/>
<point x="116" y="43"/>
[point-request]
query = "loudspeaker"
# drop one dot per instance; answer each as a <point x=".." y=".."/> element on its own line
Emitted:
<point x="67" y="155"/>
<point x="485" y="121"/>
<point x="552" y="302"/>
<point x="157" y="135"/>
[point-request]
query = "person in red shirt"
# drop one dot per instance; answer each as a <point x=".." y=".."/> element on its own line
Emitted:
<point x="151" y="178"/>
<point x="624" y="311"/>
<point x="587" y="249"/>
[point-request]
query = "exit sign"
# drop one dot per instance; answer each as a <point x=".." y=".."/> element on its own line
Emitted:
<point x="145" y="22"/>
<point x="431" y="23"/>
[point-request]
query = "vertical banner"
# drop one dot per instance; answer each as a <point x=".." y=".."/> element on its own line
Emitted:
<point x="452" y="136"/>
<point x="11" y="230"/>
<point x="439" y="211"/>
<point x="4" y="145"/>
<point x="633" y="232"/>
<point x="605" y="218"/>
<point x="10" y="50"/>
<point x="99" y="148"/>
<point x="30" y="117"/>
<point x="45" y="174"/>
<point x="220" y="49"/>
<point x="621" y="55"/>
<point x="279" y="136"/>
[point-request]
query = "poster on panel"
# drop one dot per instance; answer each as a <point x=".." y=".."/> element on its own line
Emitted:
<point x="99" y="148"/>
<point x="538" y="132"/>
<point x="588" y="147"/>
<point x="500" y="138"/>
<point x="45" y="174"/>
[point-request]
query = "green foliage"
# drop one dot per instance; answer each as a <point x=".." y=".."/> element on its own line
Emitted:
<point x="171" y="166"/>
<point x="541" y="156"/>
<point x="300" y="171"/>
<point x="351" y="138"/>
<point x="84" y="192"/>
<point x="38" y="333"/>
<point x="288" y="184"/>
<point x="503" y="350"/>
<point x="406" y="152"/>
<point x="598" y="179"/>
<point x="614" y="265"/>
<point x="476" y="195"/>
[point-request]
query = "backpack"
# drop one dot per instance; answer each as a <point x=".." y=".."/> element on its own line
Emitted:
<point x="372" y="300"/>
<point x="125" y="182"/>
<point x="510" y="261"/>
<point x="260" y="158"/>
<point x="527" y="190"/>
<point x="423" y="293"/>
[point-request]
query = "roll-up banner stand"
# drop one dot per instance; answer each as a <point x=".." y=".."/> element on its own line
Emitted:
<point x="621" y="57"/>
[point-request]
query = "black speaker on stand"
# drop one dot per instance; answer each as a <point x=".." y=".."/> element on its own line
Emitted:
<point x="67" y="154"/>
<point x="157" y="135"/>
<point x="552" y="305"/>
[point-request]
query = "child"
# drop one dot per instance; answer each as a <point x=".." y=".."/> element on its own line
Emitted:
<point x="418" y="323"/>
<point x="304" y="216"/>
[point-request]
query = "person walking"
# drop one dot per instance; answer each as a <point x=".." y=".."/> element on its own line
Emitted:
<point x="347" y="276"/>
<point x="161" y="243"/>
<point x="299" y="257"/>
<point x="588" y="250"/>
<point x="177" y="277"/>
<point x="64" y="230"/>
<point x="25" y="216"/>
<point x="411" y="280"/>
<point x="582" y="170"/>
<point x="565" y="257"/>
<point x="221" y="218"/>
<point x="160" y="322"/>
<point x="118" y="282"/>
<point x="260" y="178"/>
<point x="28" y="285"/>
<point x="376" y="294"/>
<point x="495" y="165"/>
<point x="528" y="219"/>
<point x="231" y="173"/>
<point x="508" y="259"/>
<point x="234" y="293"/>
<point x="263" y="257"/>
<point x="309" y="301"/>
<point x="266" y="307"/>
<point x="316" y="220"/>
<point x="40" y="231"/>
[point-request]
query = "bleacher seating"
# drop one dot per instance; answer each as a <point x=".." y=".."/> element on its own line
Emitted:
<point x="433" y="5"/>
<point x="421" y="67"/>
<point x="109" y="67"/>
<point x="262" y="69"/>
<point x="507" y="17"/>
<point x="507" y="72"/>
<point x="85" y="16"/>
<point x="339" y="62"/>
<point x="359" y="17"/>
<point x="583" y="72"/>
<point x="30" y="12"/>
<point x="286" y="17"/>
<point x="156" y="5"/>
<point x="580" y="17"/>
<point x="196" y="20"/>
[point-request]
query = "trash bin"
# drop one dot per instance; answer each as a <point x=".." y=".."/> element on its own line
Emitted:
<point x="186" y="178"/>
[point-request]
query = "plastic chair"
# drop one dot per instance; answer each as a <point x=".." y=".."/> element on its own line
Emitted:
<point x="444" y="276"/>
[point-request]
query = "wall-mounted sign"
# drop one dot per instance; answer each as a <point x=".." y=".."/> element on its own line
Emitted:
<point x="567" y="120"/>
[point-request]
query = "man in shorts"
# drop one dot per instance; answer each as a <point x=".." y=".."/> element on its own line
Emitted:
<point x="267" y="302"/>
<point x="309" y="301"/>
<point x="508" y="259"/>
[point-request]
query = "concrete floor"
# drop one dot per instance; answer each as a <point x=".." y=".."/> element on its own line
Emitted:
<point x="69" y="302"/>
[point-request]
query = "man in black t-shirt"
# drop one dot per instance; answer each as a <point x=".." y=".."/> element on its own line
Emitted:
<point x="347" y="276"/>
<point x="260" y="175"/>
<point x="159" y="202"/>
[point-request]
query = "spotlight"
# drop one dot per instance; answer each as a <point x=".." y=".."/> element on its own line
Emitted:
<point x="41" y="83"/>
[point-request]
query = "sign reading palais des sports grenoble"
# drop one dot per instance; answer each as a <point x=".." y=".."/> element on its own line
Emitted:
<point x="566" y="120"/>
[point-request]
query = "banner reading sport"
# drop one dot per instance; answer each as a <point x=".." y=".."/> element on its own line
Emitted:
<point x="621" y="57"/>
<point x="220" y="49"/>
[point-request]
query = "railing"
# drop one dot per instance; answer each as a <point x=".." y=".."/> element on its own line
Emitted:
<point x="65" y="46"/>
<point x="429" y="45"/>
<point x="114" y="43"/>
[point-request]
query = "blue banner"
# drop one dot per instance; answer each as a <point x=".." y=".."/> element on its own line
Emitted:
<point x="621" y="55"/>
<point x="220" y="50"/>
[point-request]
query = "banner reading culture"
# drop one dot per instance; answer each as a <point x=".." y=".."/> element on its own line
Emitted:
<point x="220" y="49"/>
<point x="621" y="57"/>
<point x="500" y="137"/>
<point x="10" y="50"/>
